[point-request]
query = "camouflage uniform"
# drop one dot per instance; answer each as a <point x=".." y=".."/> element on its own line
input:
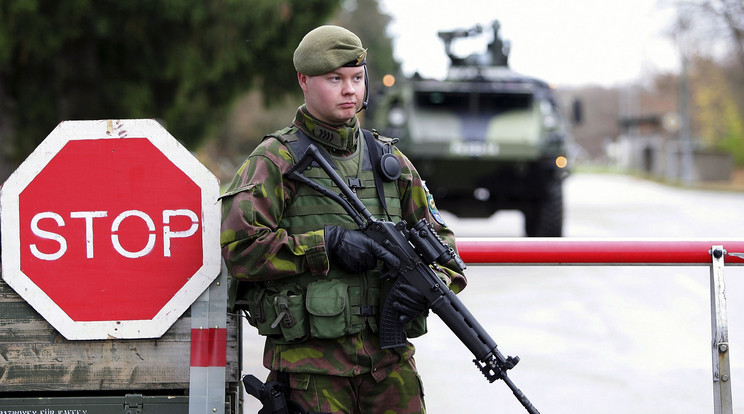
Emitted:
<point x="329" y="372"/>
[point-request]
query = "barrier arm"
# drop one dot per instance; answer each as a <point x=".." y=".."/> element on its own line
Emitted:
<point x="628" y="252"/>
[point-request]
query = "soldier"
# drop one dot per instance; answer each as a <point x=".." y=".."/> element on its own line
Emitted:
<point x="311" y="283"/>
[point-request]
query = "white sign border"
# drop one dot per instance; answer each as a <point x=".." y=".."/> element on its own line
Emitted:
<point x="110" y="129"/>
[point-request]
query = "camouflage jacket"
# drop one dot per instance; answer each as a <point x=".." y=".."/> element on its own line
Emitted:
<point x="256" y="249"/>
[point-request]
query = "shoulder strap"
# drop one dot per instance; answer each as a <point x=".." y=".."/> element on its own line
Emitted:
<point x="378" y="169"/>
<point x="285" y="134"/>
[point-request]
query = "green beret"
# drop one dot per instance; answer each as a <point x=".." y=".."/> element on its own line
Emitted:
<point x="327" y="48"/>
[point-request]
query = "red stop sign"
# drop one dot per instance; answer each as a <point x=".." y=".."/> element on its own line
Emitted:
<point x="110" y="229"/>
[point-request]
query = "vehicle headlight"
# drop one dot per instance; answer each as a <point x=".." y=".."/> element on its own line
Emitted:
<point x="561" y="161"/>
<point x="397" y="117"/>
<point x="549" y="121"/>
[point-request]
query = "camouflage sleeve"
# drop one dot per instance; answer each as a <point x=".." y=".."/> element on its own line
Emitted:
<point x="253" y="245"/>
<point x="418" y="203"/>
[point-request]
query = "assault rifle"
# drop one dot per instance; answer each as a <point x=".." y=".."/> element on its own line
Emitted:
<point x="417" y="249"/>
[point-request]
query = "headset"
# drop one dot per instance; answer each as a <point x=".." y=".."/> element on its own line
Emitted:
<point x="366" y="89"/>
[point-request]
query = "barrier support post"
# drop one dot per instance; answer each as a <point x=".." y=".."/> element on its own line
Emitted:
<point x="722" y="398"/>
<point x="209" y="349"/>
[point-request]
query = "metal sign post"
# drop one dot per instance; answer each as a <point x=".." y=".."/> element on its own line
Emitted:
<point x="722" y="399"/>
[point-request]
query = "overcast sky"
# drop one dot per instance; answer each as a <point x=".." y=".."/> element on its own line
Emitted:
<point x="565" y="42"/>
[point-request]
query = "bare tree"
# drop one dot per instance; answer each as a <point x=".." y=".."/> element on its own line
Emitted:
<point x="712" y="20"/>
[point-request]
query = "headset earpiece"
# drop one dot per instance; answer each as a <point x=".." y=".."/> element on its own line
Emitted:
<point x="389" y="165"/>
<point x="366" y="90"/>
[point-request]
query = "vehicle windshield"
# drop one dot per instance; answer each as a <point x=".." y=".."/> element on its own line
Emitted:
<point x="473" y="103"/>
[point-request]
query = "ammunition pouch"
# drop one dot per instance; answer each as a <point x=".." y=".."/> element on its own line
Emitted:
<point x="289" y="313"/>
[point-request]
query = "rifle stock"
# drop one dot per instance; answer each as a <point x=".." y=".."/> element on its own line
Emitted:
<point x="418" y="248"/>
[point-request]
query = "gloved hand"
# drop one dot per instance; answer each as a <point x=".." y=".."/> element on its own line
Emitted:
<point x="354" y="251"/>
<point x="409" y="302"/>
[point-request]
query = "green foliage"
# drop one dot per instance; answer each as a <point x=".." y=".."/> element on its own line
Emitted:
<point x="733" y="144"/>
<point x="181" y="61"/>
<point x="719" y="116"/>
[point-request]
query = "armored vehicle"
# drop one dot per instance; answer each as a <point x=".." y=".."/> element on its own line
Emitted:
<point x="485" y="139"/>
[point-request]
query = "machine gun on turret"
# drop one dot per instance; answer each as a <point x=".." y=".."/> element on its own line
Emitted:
<point x="497" y="53"/>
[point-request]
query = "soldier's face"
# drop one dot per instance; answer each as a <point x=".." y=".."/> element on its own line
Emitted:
<point x="334" y="97"/>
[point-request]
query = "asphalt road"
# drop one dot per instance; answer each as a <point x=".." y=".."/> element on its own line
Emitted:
<point x="607" y="339"/>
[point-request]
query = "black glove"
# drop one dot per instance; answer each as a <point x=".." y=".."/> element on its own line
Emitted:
<point x="354" y="251"/>
<point x="409" y="302"/>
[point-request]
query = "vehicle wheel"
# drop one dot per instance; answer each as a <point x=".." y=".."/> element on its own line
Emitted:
<point x="545" y="218"/>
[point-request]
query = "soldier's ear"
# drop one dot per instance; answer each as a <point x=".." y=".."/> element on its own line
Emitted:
<point x="302" y="80"/>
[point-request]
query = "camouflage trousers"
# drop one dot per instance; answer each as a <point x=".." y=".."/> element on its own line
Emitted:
<point x="400" y="393"/>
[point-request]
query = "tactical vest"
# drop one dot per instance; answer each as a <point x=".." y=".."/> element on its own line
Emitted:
<point x="306" y="306"/>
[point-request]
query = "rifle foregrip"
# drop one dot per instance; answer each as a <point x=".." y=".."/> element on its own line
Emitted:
<point x="392" y="334"/>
